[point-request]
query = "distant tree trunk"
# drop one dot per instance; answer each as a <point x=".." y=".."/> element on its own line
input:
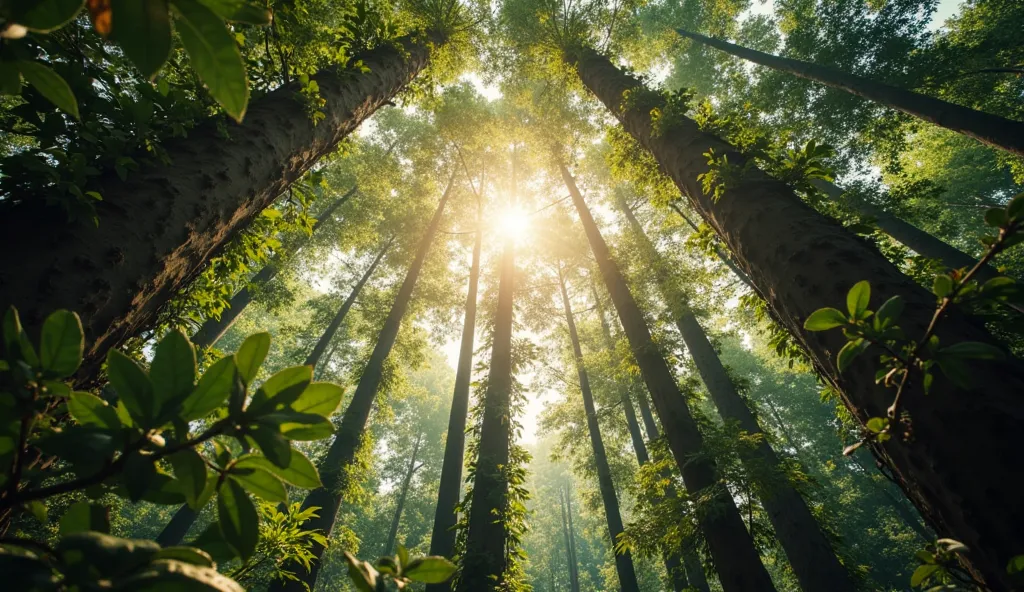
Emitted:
<point x="899" y="505"/>
<point x="572" y="537"/>
<point x="313" y="359"/>
<point x="213" y="329"/>
<point x="178" y="527"/>
<point x="389" y="545"/>
<point x="484" y="563"/>
<point x="810" y="554"/>
<point x="334" y="468"/>
<point x="736" y="559"/>
<point x="442" y="538"/>
<point x="570" y="556"/>
<point x="623" y="561"/>
<point x="996" y="131"/>
<point x="159" y="227"/>
<point x="799" y="261"/>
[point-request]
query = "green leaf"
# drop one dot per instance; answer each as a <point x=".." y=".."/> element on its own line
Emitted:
<point x="44" y="16"/>
<point x="299" y="471"/>
<point x="824" y="319"/>
<point x="1016" y="565"/>
<point x="974" y="350"/>
<point x="306" y="431"/>
<point x="49" y="84"/>
<point x="238" y="520"/>
<point x="165" y="575"/>
<point x="261" y="483"/>
<point x="132" y="385"/>
<point x="211" y="392"/>
<point x="143" y="30"/>
<point x="877" y="424"/>
<point x="38" y="510"/>
<point x="190" y="555"/>
<point x="1016" y="207"/>
<point x="431" y="570"/>
<point x="16" y="342"/>
<point x="214" y="55"/>
<point x="403" y="556"/>
<point x="239" y="11"/>
<point x="857" y="298"/>
<point x="319" y="398"/>
<point x="251" y="355"/>
<point x="850" y="351"/>
<point x="996" y="217"/>
<point x="190" y="471"/>
<point x="84" y="516"/>
<point x="274" y="446"/>
<point x="10" y="79"/>
<point x="363" y="575"/>
<point x="956" y="370"/>
<point x="173" y="371"/>
<point x="62" y="344"/>
<point x="890" y="310"/>
<point x="922" y="574"/>
<point x="88" y="409"/>
<point x="138" y="475"/>
<point x="280" y="390"/>
<point x="942" y="285"/>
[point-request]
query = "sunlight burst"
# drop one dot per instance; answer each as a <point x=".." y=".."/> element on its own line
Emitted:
<point x="513" y="222"/>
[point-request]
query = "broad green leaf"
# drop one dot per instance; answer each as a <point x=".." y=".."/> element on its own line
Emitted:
<point x="430" y="570"/>
<point x="996" y="217"/>
<point x="1016" y="207"/>
<point x="239" y="11"/>
<point x="318" y="430"/>
<point x="824" y="319"/>
<point x="974" y="350"/>
<point x="363" y="575"/>
<point x="890" y="310"/>
<point x="88" y="409"/>
<point x="262" y="484"/>
<point x="165" y="575"/>
<point x="173" y="371"/>
<point x="320" y="398"/>
<point x="877" y="424"/>
<point x="942" y="285"/>
<point x="62" y="344"/>
<point x="190" y="555"/>
<point x="923" y="573"/>
<point x="857" y="298"/>
<point x="251" y="355"/>
<point x="1016" y="565"/>
<point x="956" y="370"/>
<point x="143" y="30"/>
<point x="211" y="392"/>
<point x="138" y="475"/>
<point x="84" y="516"/>
<point x="132" y="385"/>
<point x="214" y="55"/>
<point x="10" y="79"/>
<point x="280" y="390"/>
<point x="850" y="351"/>
<point x="16" y="342"/>
<point x="403" y="556"/>
<point x="44" y="16"/>
<point x="237" y="518"/>
<point x="190" y="471"/>
<point x="299" y="472"/>
<point x="274" y="446"/>
<point x="49" y="84"/>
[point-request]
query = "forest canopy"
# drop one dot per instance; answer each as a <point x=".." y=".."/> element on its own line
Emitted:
<point x="454" y="296"/>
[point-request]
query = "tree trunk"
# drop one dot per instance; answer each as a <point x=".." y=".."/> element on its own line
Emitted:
<point x="442" y="538"/>
<point x="960" y="469"/>
<point x="570" y="556"/>
<point x="389" y="545"/>
<point x="572" y="537"/>
<point x="334" y="468"/>
<point x="623" y="561"/>
<point x="738" y="563"/>
<point x="996" y="131"/>
<point x="810" y="554"/>
<point x="213" y="329"/>
<point x="159" y="227"/>
<point x="485" y="561"/>
<point x="178" y="527"/>
<point x="313" y="359"/>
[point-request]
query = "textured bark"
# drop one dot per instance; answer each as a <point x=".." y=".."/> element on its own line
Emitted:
<point x="996" y="131"/>
<point x="313" y="359"/>
<point x="442" y="539"/>
<point x="484" y="562"/>
<point x="810" y="554"/>
<point x="570" y="557"/>
<point x="340" y="456"/>
<point x="960" y="469"/>
<point x="213" y="329"/>
<point x="738" y="563"/>
<point x="623" y="561"/>
<point x="159" y="227"/>
<point x="389" y="545"/>
<point x="177" y="528"/>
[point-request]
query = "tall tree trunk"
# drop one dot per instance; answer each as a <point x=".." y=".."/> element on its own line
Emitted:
<point x="572" y="536"/>
<point x="442" y="538"/>
<point x="485" y="560"/>
<point x="623" y="561"/>
<point x="996" y="131"/>
<point x="340" y="456"/>
<point x="738" y="563"/>
<point x="213" y="329"/>
<point x="389" y="545"/>
<point x="570" y="556"/>
<point x="967" y="485"/>
<point x="810" y="554"/>
<point x="313" y="359"/>
<point x="160" y="226"/>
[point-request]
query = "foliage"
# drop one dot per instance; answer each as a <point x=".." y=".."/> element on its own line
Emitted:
<point x="398" y="572"/>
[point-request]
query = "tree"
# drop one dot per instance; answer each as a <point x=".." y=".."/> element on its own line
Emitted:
<point x="389" y="546"/>
<point x="737" y="561"/>
<point x="830" y="261"/>
<point x="623" y="559"/>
